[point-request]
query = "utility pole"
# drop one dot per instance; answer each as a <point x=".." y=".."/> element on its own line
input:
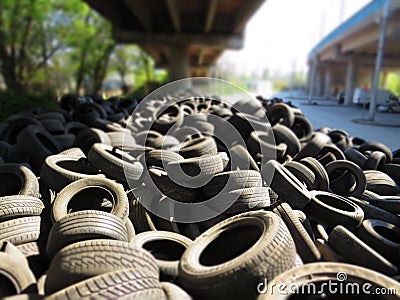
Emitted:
<point x="379" y="58"/>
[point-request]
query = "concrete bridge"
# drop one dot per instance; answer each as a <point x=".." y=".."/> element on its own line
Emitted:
<point x="345" y="58"/>
<point x="184" y="36"/>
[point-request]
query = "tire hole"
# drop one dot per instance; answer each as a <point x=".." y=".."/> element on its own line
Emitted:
<point x="80" y="166"/>
<point x="165" y="249"/>
<point x="387" y="233"/>
<point x="7" y="288"/>
<point x="10" y="184"/>
<point x="336" y="203"/>
<point x="91" y="198"/>
<point x="230" y="244"/>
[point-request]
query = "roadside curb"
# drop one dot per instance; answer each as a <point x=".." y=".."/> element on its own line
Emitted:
<point x="375" y="123"/>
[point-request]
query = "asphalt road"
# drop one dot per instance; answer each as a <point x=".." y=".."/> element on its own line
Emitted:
<point x="341" y="117"/>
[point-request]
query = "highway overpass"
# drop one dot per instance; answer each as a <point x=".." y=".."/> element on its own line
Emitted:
<point x="345" y="58"/>
<point x="184" y="36"/>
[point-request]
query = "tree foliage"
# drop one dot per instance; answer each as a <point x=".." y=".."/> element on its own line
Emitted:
<point x="62" y="44"/>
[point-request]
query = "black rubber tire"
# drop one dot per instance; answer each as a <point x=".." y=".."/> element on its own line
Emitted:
<point x="83" y="260"/>
<point x="327" y="253"/>
<point x="355" y="156"/>
<point x="393" y="170"/>
<point x="53" y="126"/>
<point x="376" y="146"/>
<point x="261" y="143"/>
<point x="302" y="173"/>
<point x="174" y="292"/>
<point x="128" y="283"/>
<point x="159" y="181"/>
<point x="305" y="222"/>
<point x="389" y="203"/>
<point x="333" y="150"/>
<point x="374" y="212"/>
<point x="167" y="249"/>
<point x="4" y="149"/>
<point x="280" y="113"/>
<point x="381" y="236"/>
<point x="21" y="230"/>
<point x="196" y="169"/>
<point x="60" y="170"/>
<point x="285" y="184"/>
<point x="313" y="147"/>
<point x="324" y="272"/>
<point x="85" y="112"/>
<point x="17" y="278"/>
<point x="355" y="170"/>
<point x="321" y="176"/>
<point x="16" y="124"/>
<point x="231" y="258"/>
<point x="242" y="159"/>
<point x="17" y="179"/>
<point x="285" y="135"/>
<point x="65" y="141"/>
<point x="166" y="116"/>
<point x="38" y="144"/>
<point x="303" y="128"/>
<point x="198" y="147"/>
<point x="74" y="128"/>
<point x="237" y="180"/>
<point x="359" y="253"/>
<point x="56" y="114"/>
<point x="120" y="207"/>
<point x="84" y="225"/>
<point x="139" y="216"/>
<point x="304" y="245"/>
<point x="90" y="136"/>
<point x="184" y="132"/>
<point x="121" y="139"/>
<point x="115" y="163"/>
<point x="73" y="152"/>
<point x="375" y="161"/>
<point x="243" y="200"/>
<point x="12" y="207"/>
<point x="381" y="183"/>
<point x="331" y="210"/>
<point x="161" y="158"/>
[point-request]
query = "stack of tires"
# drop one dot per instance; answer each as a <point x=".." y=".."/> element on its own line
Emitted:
<point x="102" y="198"/>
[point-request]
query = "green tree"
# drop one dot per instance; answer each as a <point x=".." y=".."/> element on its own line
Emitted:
<point x="27" y="40"/>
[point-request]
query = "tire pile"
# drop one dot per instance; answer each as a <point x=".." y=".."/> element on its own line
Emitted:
<point x="84" y="189"/>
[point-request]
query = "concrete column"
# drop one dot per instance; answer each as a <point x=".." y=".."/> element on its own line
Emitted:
<point x="309" y="76"/>
<point x="312" y="79"/>
<point x="319" y="82"/>
<point x="328" y="82"/>
<point x="178" y="62"/>
<point x="383" y="79"/>
<point x="351" y="78"/>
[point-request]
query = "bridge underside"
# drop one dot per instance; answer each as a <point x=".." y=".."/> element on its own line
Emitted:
<point x="345" y="59"/>
<point x="184" y="36"/>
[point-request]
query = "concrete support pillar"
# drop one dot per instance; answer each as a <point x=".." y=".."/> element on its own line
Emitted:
<point x="312" y="79"/>
<point x="319" y="82"/>
<point x="383" y="79"/>
<point x="309" y="76"/>
<point x="351" y="78"/>
<point x="328" y="82"/>
<point x="178" y="62"/>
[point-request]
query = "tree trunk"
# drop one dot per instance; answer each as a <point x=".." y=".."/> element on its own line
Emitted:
<point x="100" y="70"/>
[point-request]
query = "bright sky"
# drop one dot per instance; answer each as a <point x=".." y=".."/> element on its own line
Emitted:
<point x="282" y="32"/>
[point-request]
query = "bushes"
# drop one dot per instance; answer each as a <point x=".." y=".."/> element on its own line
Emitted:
<point x="16" y="102"/>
